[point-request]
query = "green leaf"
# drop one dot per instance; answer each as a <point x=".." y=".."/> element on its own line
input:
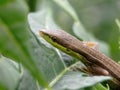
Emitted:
<point x="118" y="24"/>
<point x="77" y="80"/>
<point x="27" y="82"/>
<point x="100" y="87"/>
<point x="15" y="38"/>
<point x="9" y="73"/>
<point x="2" y="2"/>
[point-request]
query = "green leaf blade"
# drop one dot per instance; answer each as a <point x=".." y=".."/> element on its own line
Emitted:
<point x="15" y="38"/>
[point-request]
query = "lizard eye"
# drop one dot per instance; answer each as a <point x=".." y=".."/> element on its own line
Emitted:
<point x="53" y="39"/>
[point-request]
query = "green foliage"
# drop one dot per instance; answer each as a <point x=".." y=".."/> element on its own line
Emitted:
<point x="27" y="62"/>
<point x="9" y="73"/>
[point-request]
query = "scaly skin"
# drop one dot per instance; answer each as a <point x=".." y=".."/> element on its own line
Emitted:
<point x="60" y="38"/>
